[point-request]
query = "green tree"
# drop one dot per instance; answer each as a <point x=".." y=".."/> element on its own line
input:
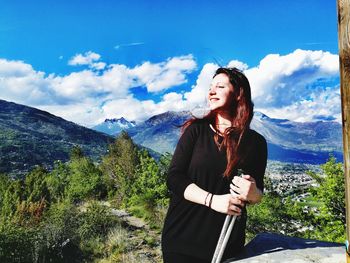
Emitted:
<point x="85" y="180"/>
<point x="35" y="185"/>
<point x="5" y="182"/>
<point x="76" y="152"/>
<point x="12" y="197"/>
<point x="119" y="167"/>
<point x="149" y="192"/>
<point x="149" y="182"/>
<point x="58" y="180"/>
<point x="331" y="190"/>
<point x="329" y="219"/>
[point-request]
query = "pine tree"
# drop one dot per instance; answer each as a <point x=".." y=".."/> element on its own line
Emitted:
<point x="119" y="166"/>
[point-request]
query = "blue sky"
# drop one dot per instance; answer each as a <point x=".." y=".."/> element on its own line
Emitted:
<point x="91" y="60"/>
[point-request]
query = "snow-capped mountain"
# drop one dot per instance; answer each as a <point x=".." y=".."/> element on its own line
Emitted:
<point x="288" y="141"/>
<point x="114" y="126"/>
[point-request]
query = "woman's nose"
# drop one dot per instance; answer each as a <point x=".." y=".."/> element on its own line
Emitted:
<point x="212" y="91"/>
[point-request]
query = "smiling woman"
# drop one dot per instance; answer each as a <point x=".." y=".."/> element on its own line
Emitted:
<point x="220" y="93"/>
<point x="203" y="174"/>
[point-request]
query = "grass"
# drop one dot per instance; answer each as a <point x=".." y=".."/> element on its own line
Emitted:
<point x="117" y="240"/>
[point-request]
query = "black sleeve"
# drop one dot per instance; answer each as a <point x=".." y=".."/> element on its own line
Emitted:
<point x="178" y="179"/>
<point x="257" y="160"/>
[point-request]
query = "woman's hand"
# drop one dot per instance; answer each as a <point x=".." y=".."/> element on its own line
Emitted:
<point x="246" y="189"/>
<point x="227" y="204"/>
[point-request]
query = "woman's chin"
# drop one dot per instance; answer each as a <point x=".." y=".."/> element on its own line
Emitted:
<point x="214" y="107"/>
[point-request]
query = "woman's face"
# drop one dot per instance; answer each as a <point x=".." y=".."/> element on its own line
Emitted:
<point x="220" y="94"/>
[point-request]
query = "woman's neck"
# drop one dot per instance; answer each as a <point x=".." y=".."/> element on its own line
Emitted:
<point x="222" y="121"/>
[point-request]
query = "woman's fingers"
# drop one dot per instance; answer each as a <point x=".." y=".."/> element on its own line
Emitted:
<point x="227" y="204"/>
<point x="234" y="191"/>
<point x="235" y="206"/>
<point x="234" y="210"/>
<point x="237" y="191"/>
<point x="244" y="186"/>
<point x="237" y="202"/>
<point x="244" y="180"/>
<point x="248" y="177"/>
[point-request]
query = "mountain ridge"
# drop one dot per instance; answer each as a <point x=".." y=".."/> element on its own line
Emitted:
<point x="288" y="141"/>
<point x="30" y="137"/>
<point x="114" y="125"/>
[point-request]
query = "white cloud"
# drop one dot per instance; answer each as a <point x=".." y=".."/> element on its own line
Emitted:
<point x="293" y="86"/>
<point x="20" y="82"/>
<point x="173" y="102"/>
<point x="285" y="86"/>
<point x="183" y="63"/>
<point x="78" y="85"/>
<point x="147" y="72"/>
<point x="283" y="80"/>
<point x="133" y="109"/>
<point x="88" y="58"/>
<point x="86" y="113"/>
<point x="117" y="80"/>
<point x="237" y="64"/>
<point x="98" y="65"/>
<point x="325" y="105"/>
<point x="129" y="108"/>
<point x="112" y="83"/>
<point x="161" y="76"/>
<point x="84" y="59"/>
<point x="14" y="68"/>
<point x="78" y="95"/>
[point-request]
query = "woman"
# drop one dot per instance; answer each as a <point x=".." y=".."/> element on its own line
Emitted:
<point x="202" y="173"/>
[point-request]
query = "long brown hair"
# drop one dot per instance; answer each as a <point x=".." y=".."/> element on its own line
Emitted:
<point x="242" y="114"/>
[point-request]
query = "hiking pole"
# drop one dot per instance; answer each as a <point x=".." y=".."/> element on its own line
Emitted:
<point x="221" y="238"/>
<point x="224" y="236"/>
<point x="225" y="232"/>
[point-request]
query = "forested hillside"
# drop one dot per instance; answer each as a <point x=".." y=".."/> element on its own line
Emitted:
<point x="62" y="215"/>
<point x="30" y="137"/>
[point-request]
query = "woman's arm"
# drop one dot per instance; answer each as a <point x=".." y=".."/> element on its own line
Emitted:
<point x="226" y="203"/>
<point x="177" y="178"/>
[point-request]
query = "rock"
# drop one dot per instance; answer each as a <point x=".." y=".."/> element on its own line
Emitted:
<point x="129" y="220"/>
<point x="274" y="248"/>
<point x="119" y="213"/>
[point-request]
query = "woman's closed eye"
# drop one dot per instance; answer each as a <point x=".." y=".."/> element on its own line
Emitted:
<point x="218" y="86"/>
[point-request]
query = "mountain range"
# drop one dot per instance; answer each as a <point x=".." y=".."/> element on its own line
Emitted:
<point x="30" y="137"/>
<point x="288" y="141"/>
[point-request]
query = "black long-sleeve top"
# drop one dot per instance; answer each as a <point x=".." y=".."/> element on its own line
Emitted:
<point x="194" y="229"/>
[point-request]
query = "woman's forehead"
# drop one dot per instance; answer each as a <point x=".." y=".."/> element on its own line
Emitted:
<point x="221" y="79"/>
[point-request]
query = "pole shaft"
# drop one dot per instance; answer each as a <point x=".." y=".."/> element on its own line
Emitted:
<point x="344" y="60"/>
